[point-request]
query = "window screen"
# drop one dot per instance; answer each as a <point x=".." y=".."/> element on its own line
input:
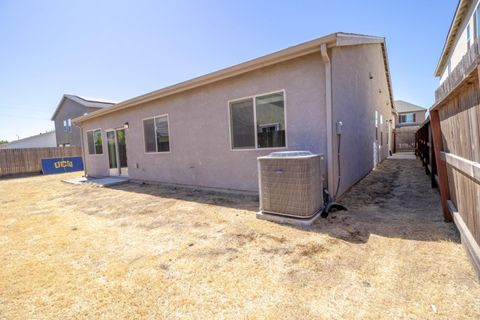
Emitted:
<point x="97" y="135"/>
<point x="161" y="128"/>
<point x="149" y="134"/>
<point x="91" y="146"/>
<point x="242" y="124"/>
<point x="94" y="141"/>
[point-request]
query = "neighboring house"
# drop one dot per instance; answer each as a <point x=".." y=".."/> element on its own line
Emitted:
<point x="41" y="140"/>
<point x="72" y="106"/>
<point x="461" y="39"/>
<point x="455" y="126"/>
<point x="409" y="114"/>
<point x="209" y="131"/>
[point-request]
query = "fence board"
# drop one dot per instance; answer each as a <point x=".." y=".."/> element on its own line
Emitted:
<point x="459" y="116"/>
<point x="18" y="161"/>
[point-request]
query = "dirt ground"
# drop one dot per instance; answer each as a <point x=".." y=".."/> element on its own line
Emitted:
<point x="150" y="252"/>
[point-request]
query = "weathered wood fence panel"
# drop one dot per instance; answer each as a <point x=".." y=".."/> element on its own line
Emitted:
<point x="405" y="139"/>
<point x="18" y="161"/>
<point x="424" y="149"/>
<point x="458" y="117"/>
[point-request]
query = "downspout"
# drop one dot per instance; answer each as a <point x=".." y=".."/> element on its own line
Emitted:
<point x="328" y="101"/>
<point x="83" y="151"/>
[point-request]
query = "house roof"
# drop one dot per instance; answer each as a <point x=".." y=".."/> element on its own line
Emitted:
<point x="14" y="142"/>
<point x="403" y="106"/>
<point x="458" y="17"/>
<point x="84" y="101"/>
<point x="332" y="40"/>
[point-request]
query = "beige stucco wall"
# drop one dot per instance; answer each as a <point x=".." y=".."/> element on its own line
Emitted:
<point x="201" y="153"/>
<point x="356" y="97"/>
<point x="199" y="126"/>
<point x="460" y="43"/>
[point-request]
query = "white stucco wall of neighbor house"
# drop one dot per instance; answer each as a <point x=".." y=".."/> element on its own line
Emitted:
<point x="361" y="101"/>
<point x="200" y="148"/>
<point x="460" y="46"/>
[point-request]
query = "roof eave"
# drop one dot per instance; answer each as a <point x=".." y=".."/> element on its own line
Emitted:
<point x="334" y="39"/>
<point x="458" y="17"/>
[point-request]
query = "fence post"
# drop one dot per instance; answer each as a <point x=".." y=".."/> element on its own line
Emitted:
<point x="441" y="165"/>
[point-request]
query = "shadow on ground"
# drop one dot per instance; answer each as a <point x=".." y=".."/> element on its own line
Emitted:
<point x="229" y="200"/>
<point x="394" y="201"/>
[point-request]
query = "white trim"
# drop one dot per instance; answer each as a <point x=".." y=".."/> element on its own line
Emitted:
<point x="253" y="97"/>
<point x="155" y="130"/>
<point x="101" y="135"/>
<point x="116" y="153"/>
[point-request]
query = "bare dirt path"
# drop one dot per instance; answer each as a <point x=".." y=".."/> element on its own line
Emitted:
<point x="139" y="251"/>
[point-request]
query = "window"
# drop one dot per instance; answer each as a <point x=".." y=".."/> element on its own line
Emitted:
<point x="407" y="118"/>
<point x="258" y="122"/>
<point x="156" y="134"/>
<point x="94" y="141"/>
<point x="476" y="23"/>
<point x="468" y="36"/>
<point x="67" y="125"/>
<point x="381" y="130"/>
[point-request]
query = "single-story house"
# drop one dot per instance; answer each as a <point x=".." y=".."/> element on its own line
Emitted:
<point x="42" y="140"/>
<point x="331" y="96"/>
<point x="73" y="106"/>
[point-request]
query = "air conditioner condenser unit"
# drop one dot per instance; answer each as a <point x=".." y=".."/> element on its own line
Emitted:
<point x="290" y="187"/>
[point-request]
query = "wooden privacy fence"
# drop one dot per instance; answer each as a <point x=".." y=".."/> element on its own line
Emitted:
<point x="404" y="139"/>
<point x="18" y="161"/>
<point x="452" y="140"/>
<point x="424" y="149"/>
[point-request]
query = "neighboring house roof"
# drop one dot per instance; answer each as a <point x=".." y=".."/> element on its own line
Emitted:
<point x="458" y="17"/>
<point x="403" y="106"/>
<point x="34" y="139"/>
<point x="84" y="101"/>
<point x="333" y="40"/>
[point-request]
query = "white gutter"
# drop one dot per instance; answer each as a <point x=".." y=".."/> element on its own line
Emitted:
<point x="328" y="101"/>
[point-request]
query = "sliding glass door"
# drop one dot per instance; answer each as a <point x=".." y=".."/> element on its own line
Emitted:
<point x="117" y="152"/>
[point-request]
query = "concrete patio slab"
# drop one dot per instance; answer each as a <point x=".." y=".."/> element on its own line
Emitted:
<point x="99" y="182"/>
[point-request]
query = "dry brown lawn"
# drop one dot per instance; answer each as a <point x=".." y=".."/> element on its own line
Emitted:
<point x="151" y="252"/>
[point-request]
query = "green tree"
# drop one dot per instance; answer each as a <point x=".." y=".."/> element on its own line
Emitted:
<point x="3" y="141"/>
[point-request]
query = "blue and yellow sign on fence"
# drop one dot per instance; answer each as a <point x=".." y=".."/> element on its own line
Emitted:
<point x="61" y="165"/>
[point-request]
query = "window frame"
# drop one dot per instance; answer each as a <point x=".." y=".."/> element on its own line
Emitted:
<point x="476" y="33"/>
<point x="253" y="97"/>
<point x="94" y="149"/>
<point x="468" y="35"/>
<point x="155" y="131"/>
